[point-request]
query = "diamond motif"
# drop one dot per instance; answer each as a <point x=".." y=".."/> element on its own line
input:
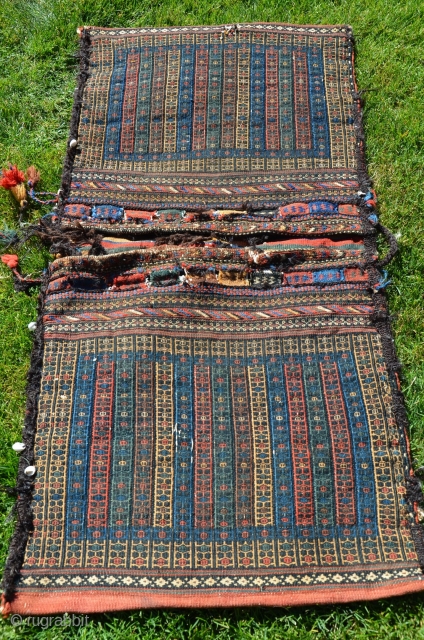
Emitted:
<point x="371" y="577"/>
<point x="355" y="577"/>
<point x="193" y="582"/>
<point x="227" y="582"/>
<point x="210" y="582"/>
<point x="242" y="581"/>
<point x="144" y="582"/>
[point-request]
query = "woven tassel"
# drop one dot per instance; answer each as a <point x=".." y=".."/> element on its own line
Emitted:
<point x="21" y="283"/>
<point x="8" y="237"/>
<point x="11" y="260"/>
<point x="33" y="176"/>
<point x="13" y="180"/>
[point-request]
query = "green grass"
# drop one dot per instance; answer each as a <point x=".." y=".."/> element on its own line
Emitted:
<point x="37" y="43"/>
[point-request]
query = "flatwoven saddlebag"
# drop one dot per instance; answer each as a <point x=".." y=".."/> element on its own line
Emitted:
<point x="214" y="414"/>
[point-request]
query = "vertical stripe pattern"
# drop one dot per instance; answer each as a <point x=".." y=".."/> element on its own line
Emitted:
<point x="257" y="96"/>
<point x="129" y="106"/>
<point x="272" y="125"/>
<point x="164" y="449"/>
<point x="301" y="99"/>
<point x="302" y="468"/>
<point x="229" y="97"/>
<point x="222" y="454"/>
<point x="341" y="445"/>
<point x="285" y="97"/>
<point x="158" y="96"/>
<point x="184" y="447"/>
<point x="243" y="446"/>
<point x="243" y="98"/>
<point x="263" y="476"/>
<point x="79" y="451"/>
<point x="200" y="99"/>
<point x="122" y="486"/>
<point x="203" y="464"/>
<point x="100" y="454"/>
<point x="171" y="100"/>
<point x="144" y="97"/>
<point x="185" y="98"/>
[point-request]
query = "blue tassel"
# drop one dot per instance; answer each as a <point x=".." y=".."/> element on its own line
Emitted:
<point x="383" y="283"/>
<point x="8" y="237"/>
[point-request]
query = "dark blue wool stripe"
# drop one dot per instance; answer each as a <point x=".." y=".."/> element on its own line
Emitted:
<point x="224" y="491"/>
<point x="79" y="445"/>
<point x="185" y="100"/>
<point x="281" y="444"/>
<point x="142" y="138"/>
<point x="121" y="489"/>
<point x="319" y="434"/>
<point x="257" y="106"/>
<point x="361" y="443"/>
<point x="116" y="101"/>
<point x="317" y="103"/>
<point x="183" y="520"/>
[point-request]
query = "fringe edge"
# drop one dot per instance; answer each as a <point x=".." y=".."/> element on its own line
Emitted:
<point x="24" y="485"/>
<point x="84" y="56"/>
<point x="382" y="320"/>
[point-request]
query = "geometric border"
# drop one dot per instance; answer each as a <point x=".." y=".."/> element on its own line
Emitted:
<point x="271" y="581"/>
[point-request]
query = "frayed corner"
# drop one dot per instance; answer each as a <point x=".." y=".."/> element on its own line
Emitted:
<point x="415" y="497"/>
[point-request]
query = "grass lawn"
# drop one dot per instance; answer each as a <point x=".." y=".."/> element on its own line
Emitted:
<point x="37" y="42"/>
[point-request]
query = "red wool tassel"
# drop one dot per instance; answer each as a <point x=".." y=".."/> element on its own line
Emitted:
<point x="10" y="260"/>
<point x="12" y="177"/>
<point x="13" y="180"/>
<point x="21" y="283"/>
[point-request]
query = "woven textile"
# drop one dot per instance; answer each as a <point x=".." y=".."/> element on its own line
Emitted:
<point x="214" y="409"/>
<point x="194" y="117"/>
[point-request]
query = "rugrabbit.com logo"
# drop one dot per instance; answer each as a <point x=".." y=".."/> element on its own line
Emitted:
<point x="46" y="622"/>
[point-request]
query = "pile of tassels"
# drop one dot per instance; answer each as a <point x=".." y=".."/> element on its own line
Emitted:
<point x="22" y="187"/>
<point x="13" y="179"/>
